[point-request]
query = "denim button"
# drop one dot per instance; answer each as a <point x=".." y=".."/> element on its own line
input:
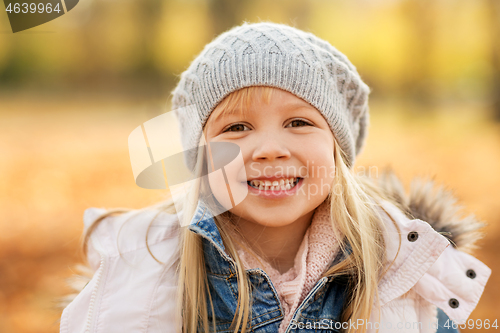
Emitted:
<point x="413" y="236"/>
<point x="470" y="273"/>
<point x="453" y="302"/>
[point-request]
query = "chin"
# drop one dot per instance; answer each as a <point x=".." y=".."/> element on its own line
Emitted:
<point x="275" y="224"/>
<point x="273" y="220"/>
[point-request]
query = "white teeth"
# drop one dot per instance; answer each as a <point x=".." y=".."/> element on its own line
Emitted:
<point x="275" y="185"/>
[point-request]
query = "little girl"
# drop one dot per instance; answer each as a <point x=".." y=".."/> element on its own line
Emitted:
<point x="280" y="234"/>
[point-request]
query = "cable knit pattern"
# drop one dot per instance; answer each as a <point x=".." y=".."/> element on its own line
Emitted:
<point x="314" y="257"/>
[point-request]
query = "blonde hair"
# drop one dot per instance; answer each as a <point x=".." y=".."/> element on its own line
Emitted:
<point x="354" y="211"/>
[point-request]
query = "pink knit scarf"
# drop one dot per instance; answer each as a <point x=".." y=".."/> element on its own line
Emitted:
<point x="314" y="257"/>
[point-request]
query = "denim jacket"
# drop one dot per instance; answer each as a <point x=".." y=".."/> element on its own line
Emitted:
<point x="323" y="304"/>
<point x="319" y="312"/>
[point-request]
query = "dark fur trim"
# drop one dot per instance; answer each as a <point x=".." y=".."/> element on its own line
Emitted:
<point x="435" y="205"/>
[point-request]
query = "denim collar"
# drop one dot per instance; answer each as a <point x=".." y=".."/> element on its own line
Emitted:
<point x="204" y="225"/>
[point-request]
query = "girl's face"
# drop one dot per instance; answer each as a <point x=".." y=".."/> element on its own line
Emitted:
<point x="287" y="148"/>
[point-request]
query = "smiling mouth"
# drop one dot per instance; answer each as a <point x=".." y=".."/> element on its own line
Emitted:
<point x="283" y="184"/>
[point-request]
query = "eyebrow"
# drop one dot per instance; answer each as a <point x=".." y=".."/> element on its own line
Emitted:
<point x="236" y="111"/>
<point x="300" y="105"/>
<point x="290" y="105"/>
<point x="299" y="102"/>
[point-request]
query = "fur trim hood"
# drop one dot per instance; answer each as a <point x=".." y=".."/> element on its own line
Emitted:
<point x="435" y="205"/>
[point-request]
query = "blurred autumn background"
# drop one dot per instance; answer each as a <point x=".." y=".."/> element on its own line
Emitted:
<point x="73" y="89"/>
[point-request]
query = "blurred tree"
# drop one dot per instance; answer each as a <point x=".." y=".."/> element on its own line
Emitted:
<point x="494" y="10"/>
<point x="228" y="13"/>
<point x="300" y="13"/>
<point x="422" y="17"/>
<point x="416" y="49"/>
<point x="225" y="14"/>
<point x="150" y="13"/>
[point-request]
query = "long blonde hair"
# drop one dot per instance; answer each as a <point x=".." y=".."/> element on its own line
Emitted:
<point x="354" y="211"/>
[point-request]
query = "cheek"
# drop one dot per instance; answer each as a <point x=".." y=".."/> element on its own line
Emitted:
<point x="321" y="161"/>
<point x="321" y="170"/>
<point x="322" y="178"/>
<point x="218" y="187"/>
<point x="228" y="183"/>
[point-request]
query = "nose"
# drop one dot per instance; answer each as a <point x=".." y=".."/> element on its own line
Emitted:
<point x="270" y="148"/>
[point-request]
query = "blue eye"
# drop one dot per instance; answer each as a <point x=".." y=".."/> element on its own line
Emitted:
<point x="235" y="128"/>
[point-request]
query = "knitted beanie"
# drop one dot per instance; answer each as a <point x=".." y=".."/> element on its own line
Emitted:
<point x="274" y="55"/>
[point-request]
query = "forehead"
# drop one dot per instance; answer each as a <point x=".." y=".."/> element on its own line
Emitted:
<point x="242" y="101"/>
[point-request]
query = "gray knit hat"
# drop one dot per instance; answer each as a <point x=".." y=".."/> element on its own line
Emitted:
<point x="275" y="55"/>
